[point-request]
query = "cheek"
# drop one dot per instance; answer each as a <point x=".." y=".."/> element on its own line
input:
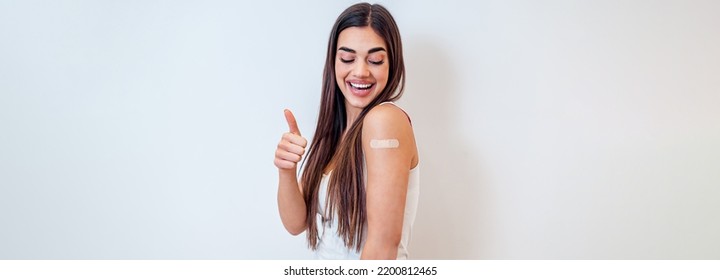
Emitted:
<point x="340" y="72"/>
<point x="381" y="74"/>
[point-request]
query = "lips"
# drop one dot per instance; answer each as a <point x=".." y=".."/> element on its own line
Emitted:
<point x="360" y="88"/>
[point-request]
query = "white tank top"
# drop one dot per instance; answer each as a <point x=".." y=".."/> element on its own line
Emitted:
<point x="332" y="246"/>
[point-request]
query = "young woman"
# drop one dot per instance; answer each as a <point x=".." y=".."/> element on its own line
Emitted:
<point x="358" y="192"/>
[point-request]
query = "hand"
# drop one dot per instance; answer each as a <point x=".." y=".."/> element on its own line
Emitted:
<point x="291" y="147"/>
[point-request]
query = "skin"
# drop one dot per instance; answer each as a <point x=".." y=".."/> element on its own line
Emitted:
<point x="290" y="198"/>
<point x="361" y="61"/>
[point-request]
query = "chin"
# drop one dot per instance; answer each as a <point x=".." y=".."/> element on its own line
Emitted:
<point x="358" y="103"/>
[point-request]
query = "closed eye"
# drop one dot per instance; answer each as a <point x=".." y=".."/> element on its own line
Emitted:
<point x="379" y="62"/>
<point x="346" y="60"/>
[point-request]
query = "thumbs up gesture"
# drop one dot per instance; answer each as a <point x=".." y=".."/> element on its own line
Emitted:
<point x="291" y="147"/>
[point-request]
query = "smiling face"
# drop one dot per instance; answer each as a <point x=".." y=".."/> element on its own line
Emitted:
<point x="361" y="66"/>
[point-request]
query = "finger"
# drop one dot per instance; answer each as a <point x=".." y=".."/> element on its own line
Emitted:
<point x="290" y="147"/>
<point x="292" y="123"/>
<point x="285" y="155"/>
<point x="295" y="139"/>
<point x="284" y="164"/>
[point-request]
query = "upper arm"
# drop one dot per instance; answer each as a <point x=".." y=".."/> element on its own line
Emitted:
<point x="387" y="173"/>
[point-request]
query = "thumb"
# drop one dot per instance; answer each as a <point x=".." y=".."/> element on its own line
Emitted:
<point x="292" y="123"/>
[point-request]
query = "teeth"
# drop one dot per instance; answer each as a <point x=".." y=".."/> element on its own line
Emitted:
<point x="360" y="86"/>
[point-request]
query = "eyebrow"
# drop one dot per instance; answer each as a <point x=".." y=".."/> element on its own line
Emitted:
<point x="369" y="52"/>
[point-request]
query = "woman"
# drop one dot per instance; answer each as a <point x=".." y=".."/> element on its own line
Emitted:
<point x="358" y="192"/>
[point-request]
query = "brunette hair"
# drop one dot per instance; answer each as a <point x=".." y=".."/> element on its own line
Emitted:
<point x="346" y="186"/>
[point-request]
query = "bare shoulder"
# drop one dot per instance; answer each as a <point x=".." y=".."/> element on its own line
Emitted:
<point x="386" y="117"/>
<point x="388" y="122"/>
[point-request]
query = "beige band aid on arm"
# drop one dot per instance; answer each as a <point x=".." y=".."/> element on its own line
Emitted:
<point x="384" y="143"/>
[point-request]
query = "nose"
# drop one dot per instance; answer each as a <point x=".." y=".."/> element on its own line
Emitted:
<point x="361" y="70"/>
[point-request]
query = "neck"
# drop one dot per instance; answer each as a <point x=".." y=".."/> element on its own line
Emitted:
<point x="351" y="114"/>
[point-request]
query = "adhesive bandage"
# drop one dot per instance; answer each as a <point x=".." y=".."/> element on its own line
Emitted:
<point x="384" y="143"/>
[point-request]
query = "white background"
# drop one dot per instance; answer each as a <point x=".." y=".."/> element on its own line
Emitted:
<point x="547" y="129"/>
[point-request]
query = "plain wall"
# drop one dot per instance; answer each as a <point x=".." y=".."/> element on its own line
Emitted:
<point x="547" y="129"/>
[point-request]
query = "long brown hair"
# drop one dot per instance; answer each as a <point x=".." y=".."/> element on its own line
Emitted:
<point x="346" y="186"/>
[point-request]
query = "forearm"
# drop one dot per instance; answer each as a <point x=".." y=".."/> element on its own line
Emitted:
<point x="379" y="250"/>
<point x="290" y="202"/>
